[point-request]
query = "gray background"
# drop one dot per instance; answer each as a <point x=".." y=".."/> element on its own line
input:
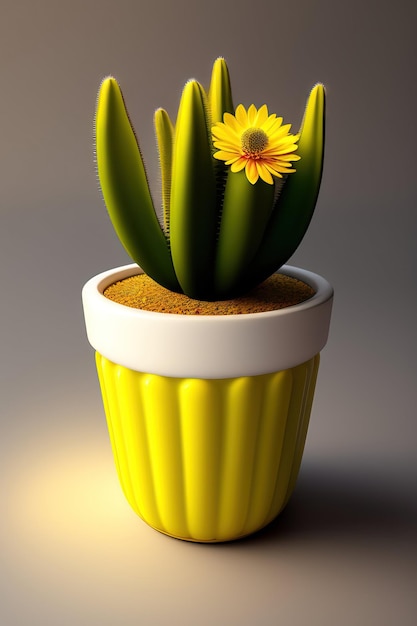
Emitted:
<point x="344" y="551"/>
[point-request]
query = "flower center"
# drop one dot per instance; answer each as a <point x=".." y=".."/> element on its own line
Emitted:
<point x="254" y="141"/>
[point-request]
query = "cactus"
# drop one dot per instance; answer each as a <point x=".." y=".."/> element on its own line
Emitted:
<point x="229" y="221"/>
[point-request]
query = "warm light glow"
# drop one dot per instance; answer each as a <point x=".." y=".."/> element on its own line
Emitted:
<point x="71" y="489"/>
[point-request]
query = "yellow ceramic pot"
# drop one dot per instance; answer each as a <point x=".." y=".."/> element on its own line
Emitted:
<point x="207" y="415"/>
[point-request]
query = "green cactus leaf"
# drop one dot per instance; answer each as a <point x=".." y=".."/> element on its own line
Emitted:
<point x="295" y="204"/>
<point x="220" y="102"/>
<point x="220" y="92"/>
<point x="125" y="187"/>
<point x="193" y="217"/>
<point x="246" y="210"/>
<point x="164" y="130"/>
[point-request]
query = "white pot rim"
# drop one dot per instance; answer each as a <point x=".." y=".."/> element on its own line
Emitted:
<point x="206" y="346"/>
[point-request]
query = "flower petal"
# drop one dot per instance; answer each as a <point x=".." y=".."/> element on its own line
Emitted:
<point x="280" y="131"/>
<point x="226" y="156"/>
<point x="237" y="166"/>
<point x="272" y="124"/>
<point x="232" y="122"/>
<point x="277" y="170"/>
<point x="281" y="151"/>
<point x="264" y="173"/>
<point x="241" y="115"/>
<point x="252" y="113"/>
<point x="229" y="141"/>
<point x="261" y="116"/>
<point x="225" y="134"/>
<point x="251" y="171"/>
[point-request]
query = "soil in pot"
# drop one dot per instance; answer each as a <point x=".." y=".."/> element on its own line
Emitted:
<point x="141" y="292"/>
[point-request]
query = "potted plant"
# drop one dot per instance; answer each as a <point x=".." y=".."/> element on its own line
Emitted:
<point x="207" y="347"/>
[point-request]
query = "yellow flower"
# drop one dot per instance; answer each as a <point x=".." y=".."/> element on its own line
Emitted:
<point x="256" y="141"/>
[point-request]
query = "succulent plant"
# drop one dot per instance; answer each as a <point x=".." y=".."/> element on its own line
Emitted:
<point x="234" y="208"/>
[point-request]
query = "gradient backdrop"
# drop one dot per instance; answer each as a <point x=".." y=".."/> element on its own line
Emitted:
<point x="344" y="552"/>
